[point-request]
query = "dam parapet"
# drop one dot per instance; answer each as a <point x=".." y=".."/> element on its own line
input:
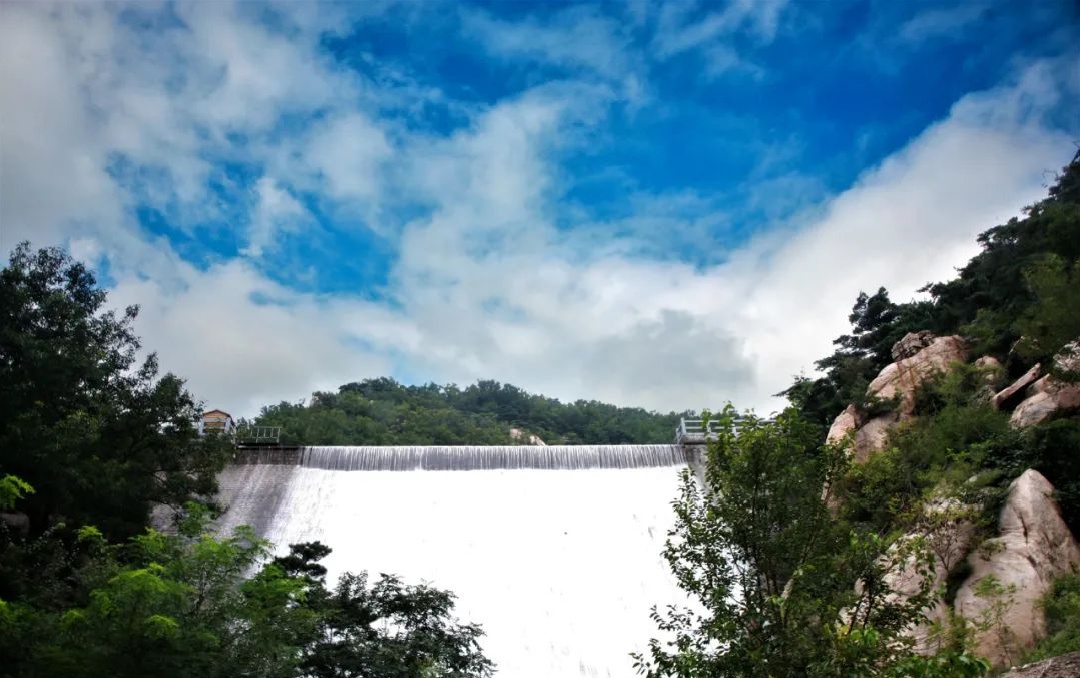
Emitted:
<point x="268" y="454"/>
<point x="491" y="457"/>
<point x="462" y="457"/>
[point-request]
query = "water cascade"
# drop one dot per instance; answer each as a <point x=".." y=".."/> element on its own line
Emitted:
<point x="554" y="550"/>
<point x="490" y="457"/>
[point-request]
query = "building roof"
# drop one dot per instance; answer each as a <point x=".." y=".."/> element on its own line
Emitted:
<point x="209" y="412"/>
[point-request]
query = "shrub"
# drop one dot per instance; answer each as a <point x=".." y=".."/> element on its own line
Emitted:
<point x="1062" y="606"/>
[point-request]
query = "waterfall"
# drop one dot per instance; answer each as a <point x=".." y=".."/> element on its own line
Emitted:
<point x="555" y="551"/>
<point x="489" y="457"/>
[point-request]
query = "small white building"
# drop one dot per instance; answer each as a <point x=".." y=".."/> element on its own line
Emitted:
<point x="216" y="421"/>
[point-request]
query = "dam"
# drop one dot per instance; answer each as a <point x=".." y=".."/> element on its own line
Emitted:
<point x="554" y="550"/>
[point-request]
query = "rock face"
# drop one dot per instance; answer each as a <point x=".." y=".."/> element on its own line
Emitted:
<point x="912" y="343"/>
<point x="925" y="355"/>
<point x="948" y="531"/>
<point x="867" y="436"/>
<point x="1048" y="397"/>
<point x="518" y="434"/>
<point x="990" y="365"/>
<point x="873" y="435"/>
<point x="1003" y="396"/>
<point x="992" y="371"/>
<point x="1065" y="666"/>
<point x="903" y="377"/>
<point x="1012" y="572"/>
<point x="846" y="422"/>
<point x="1034" y="547"/>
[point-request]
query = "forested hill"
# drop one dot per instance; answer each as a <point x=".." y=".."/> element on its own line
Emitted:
<point x="383" y="412"/>
<point x="1015" y="300"/>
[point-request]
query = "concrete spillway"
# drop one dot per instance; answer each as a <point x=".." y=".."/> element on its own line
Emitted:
<point x="555" y="551"/>
<point x="490" y="457"/>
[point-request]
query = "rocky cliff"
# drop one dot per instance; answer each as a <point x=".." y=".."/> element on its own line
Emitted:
<point x="1012" y="571"/>
<point x="1065" y="666"/>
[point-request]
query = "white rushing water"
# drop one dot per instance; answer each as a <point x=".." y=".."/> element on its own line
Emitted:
<point x="488" y="457"/>
<point x="560" y="567"/>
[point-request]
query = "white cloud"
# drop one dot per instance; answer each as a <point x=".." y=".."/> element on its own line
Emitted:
<point x="241" y="341"/>
<point x="87" y="91"/>
<point x="488" y="283"/>
<point x="242" y="76"/>
<point x="671" y="335"/>
<point x="576" y="37"/>
<point x="48" y="173"/>
<point x="348" y="154"/>
<point x="677" y="33"/>
<point x="276" y="212"/>
<point x="941" y="22"/>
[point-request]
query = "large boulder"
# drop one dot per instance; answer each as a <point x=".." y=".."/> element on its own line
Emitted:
<point x="990" y="366"/>
<point x="903" y="378"/>
<point x="531" y="438"/>
<point x="863" y="436"/>
<point x="1064" y="666"/>
<point x="947" y="528"/>
<point x="924" y="356"/>
<point x="992" y="372"/>
<point x="912" y="343"/>
<point x="1005" y="395"/>
<point x="846" y="422"/>
<point x="1050" y="395"/>
<point x="872" y="436"/>
<point x="1035" y="546"/>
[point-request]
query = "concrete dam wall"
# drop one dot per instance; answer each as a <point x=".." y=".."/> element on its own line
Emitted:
<point x="554" y="550"/>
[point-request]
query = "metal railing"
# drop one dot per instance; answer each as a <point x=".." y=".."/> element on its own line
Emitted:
<point x="258" y="435"/>
<point x="696" y="431"/>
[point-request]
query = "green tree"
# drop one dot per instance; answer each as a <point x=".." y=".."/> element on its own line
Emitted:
<point x="169" y="606"/>
<point x="186" y="605"/>
<point x="96" y="433"/>
<point x="383" y="412"/>
<point x="992" y="290"/>
<point x="382" y="629"/>
<point x="1053" y="319"/>
<point x="778" y="587"/>
<point x="876" y="324"/>
<point x="93" y="440"/>
<point x="1022" y="284"/>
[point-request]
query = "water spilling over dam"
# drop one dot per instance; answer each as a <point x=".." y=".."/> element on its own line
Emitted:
<point x="489" y="457"/>
<point x="554" y="550"/>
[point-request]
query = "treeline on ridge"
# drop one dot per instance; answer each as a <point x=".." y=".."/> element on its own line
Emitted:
<point x="1014" y="300"/>
<point x="382" y="411"/>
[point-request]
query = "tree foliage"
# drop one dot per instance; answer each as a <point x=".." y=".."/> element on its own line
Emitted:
<point x="96" y="432"/>
<point x="175" y="605"/>
<point x="383" y="412"/>
<point x="992" y="291"/>
<point x="877" y="323"/>
<point x="381" y="629"/>
<point x="1062" y="607"/>
<point x="93" y="439"/>
<point x="777" y="585"/>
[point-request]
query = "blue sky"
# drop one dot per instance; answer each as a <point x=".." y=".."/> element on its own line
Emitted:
<point x="665" y="204"/>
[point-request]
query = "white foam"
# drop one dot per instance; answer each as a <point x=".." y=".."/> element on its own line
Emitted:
<point x="560" y="567"/>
